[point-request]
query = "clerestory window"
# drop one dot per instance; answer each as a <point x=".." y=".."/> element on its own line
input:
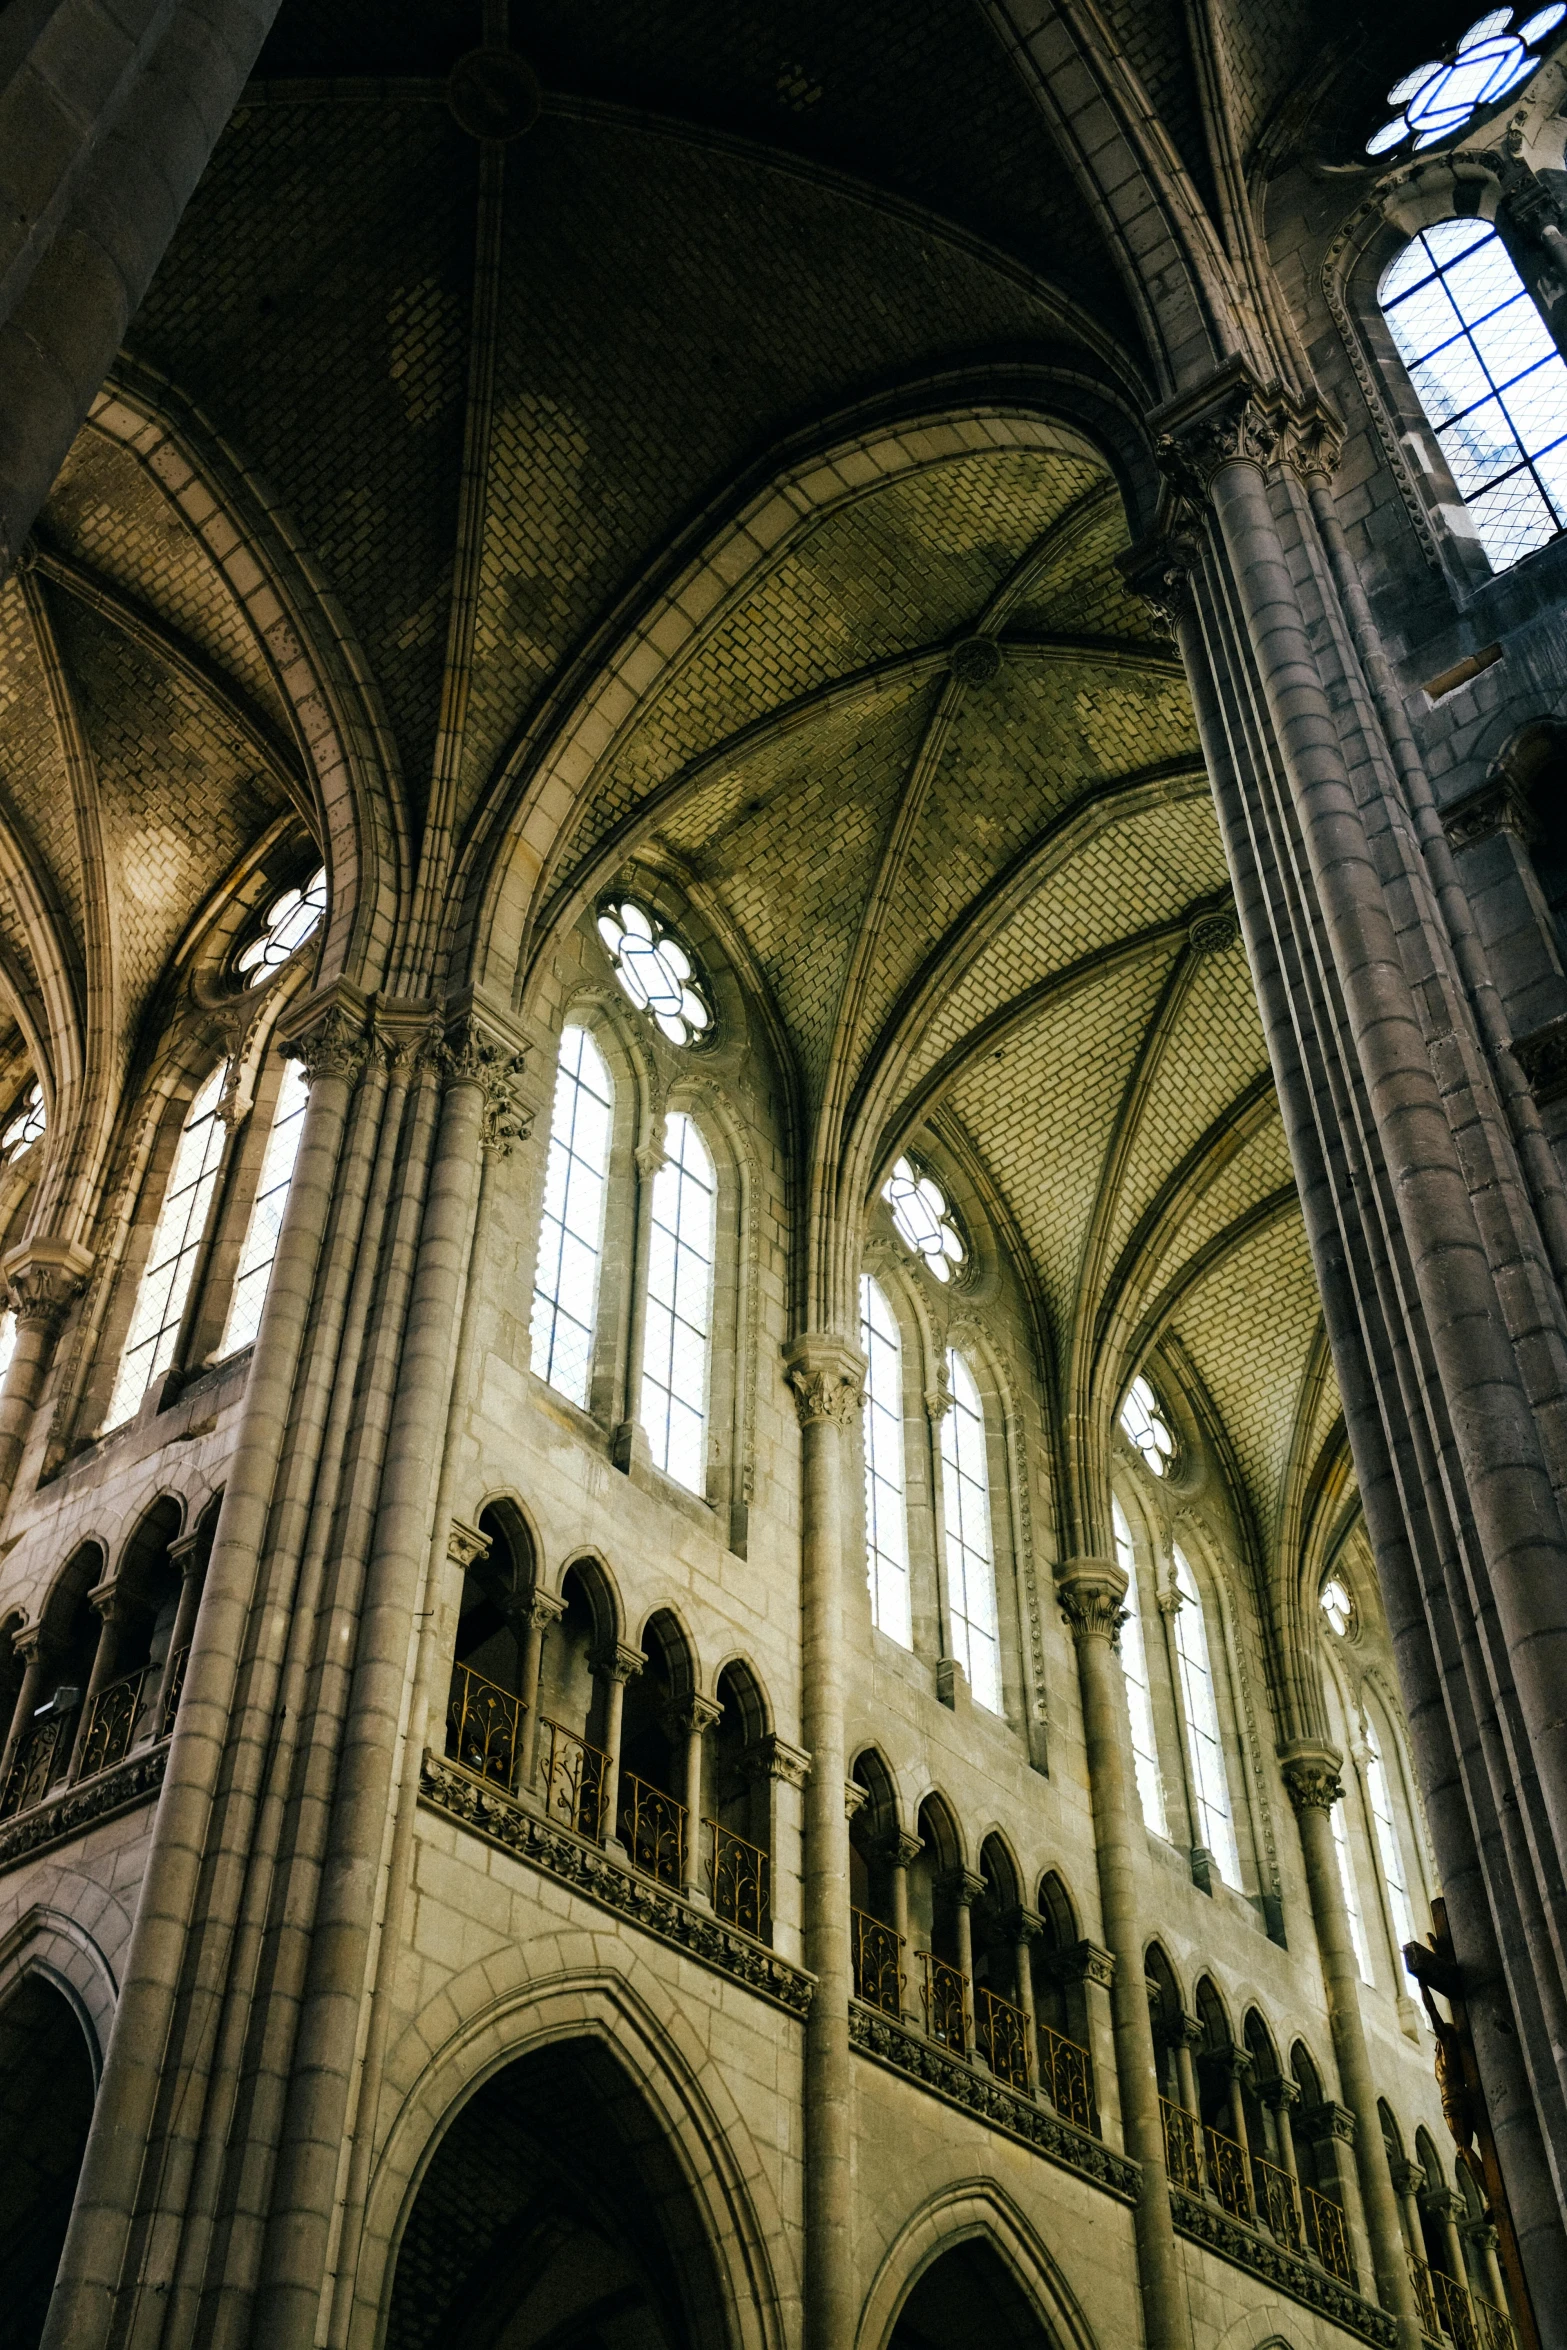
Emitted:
<point x="1204" y="1735"/>
<point x="164" y="1289"/>
<point x="266" y="1214"/>
<point x="970" y="1550"/>
<point x="1390" y="1852"/>
<point x="1139" y="1691"/>
<point x="886" y="1494"/>
<point x="1489" y="378"/>
<point x="679" y="1306"/>
<point x="1143" y="1423"/>
<point x="571" y="1236"/>
<point x="293" y="916"/>
<point x="25" y="1125"/>
<point x="924" y="1220"/>
<point x="1346" y="1878"/>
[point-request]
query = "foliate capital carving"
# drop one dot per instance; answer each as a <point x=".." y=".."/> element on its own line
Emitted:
<point x="34" y="1642"/>
<point x="938" y="1400"/>
<point x="1084" y="1962"/>
<point x="699" y="1714"/>
<point x="855" y="1798"/>
<point x="1230" y="419"/>
<point x="898" y="1848"/>
<point x="1185" y="2031"/>
<point x="651" y="1160"/>
<point x="44" y="1279"/>
<point x="1313" y="437"/>
<point x="1327" y="2122"/>
<point x="544" y="1609"/>
<point x="465" y="1545"/>
<point x="1090" y="1593"/>
<point x="827" y="1376"/>
<point x="1409" y="2177"/>
<point x="475" y="1053"/>
<point x="1160" y="567"/>
<point x="619" y="1663"/>
<point x="189" y="1552"/>
<point x="328" y="1034"/>
<point x="1497" y="806"/>
<point x="773" y="1757"/>
<point x="960" y="1885"/>
<point x="1542" y="1056"/>
<point x="1311" y="1776"/>
<point x="1279" y="2094"/>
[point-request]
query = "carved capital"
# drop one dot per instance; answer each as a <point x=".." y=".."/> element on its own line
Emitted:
<point x="1233" y="2061"/>
<point x="1312" y="437"/>
<point x="1441" y="2203"/>
<point x="698" y="1713"/>
<point x="1409" y="2177"/>
<point x="1497" y="805"/>
<point x="476" y="1052"/>
<point x="1185" y="2031"/>
<point x="465" y="1545"/>
<point x="544" y="1609"/>
<point x="34" y="1642"/>
<point x="327" y="1034"/>
<point x="1160" y="568"/>
<point x="828" y="1378"/>
<point x="110" y="1602"/>
<point x="651" y="1159"/>
<point x="1230" y="419"/>
<point x="898" y="1848"/>
<point x="1327" y="2121"/>
<point x="1024" y="1925"/>
<point x="773" y="1757"/>
<point x="855" y="1798"/>
<point x="44" y="1279"/>
<point x="1279" y="2094"/>
<point x="1311" y="1775"/>
<point x="619" y="1663"/>
<point x="1090" y="1593"/>
<point x="1542" y="1056"/>
<point x="961" y="1886"/>
<point x="189" y="1552"/>
<point x="938" y="1400"/>
<point x="1083" y="1962"/>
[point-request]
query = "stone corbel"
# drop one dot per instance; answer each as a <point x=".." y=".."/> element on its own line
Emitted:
<point x="465" y="1545"/>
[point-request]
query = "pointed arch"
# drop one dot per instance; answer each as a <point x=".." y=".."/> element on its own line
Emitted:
<point x="973" y="2211"/>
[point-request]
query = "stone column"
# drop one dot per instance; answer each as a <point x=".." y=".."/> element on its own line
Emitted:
<point x="1409" y="2180"/>
<point x="1278" y="2096"/>
<point x="544" y="1609"/>
<point x="1090" y="1972"/>
<point x="785" y="1769"/>
<point x="1329" y="2129"/>
<point x="1186" y="2033"/>
<point x="1026" y="1928"/>
<point x="615" y="1667"/>
<point x="1090" y="1592"/>
<point x="110" y="1605"/>
<point x="962" y="1888"/>
<point x="35" y="1649"/>
<point x="1482" y="2239"/>
<point x="902" y="1851"/>
<point x="827" y="1375"/>
<point x="43" y="1279"/>
<point x="630" y="1442"/>
<point x="189" y="1554"/>
<point x="1447" y="2208"/>
<point x="1235" y="2063"/>
<point x="698" y="1716"/>
<point x="1311" y="1775"/>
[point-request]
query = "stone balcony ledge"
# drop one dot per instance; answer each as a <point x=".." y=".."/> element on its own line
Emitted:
<point x="588" y="1869"/>
<point x="71" y="1810"/>
<point x="1204" y="2223"/>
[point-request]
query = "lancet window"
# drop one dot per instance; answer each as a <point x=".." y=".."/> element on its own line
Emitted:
<point x="886" y="1493"/>
<point x="970" y="1550"/>
<point x="679" y="1306"/>
<point x="1346" y="1878"/>
<point x="571" y="1238"/>
<point x="1139" y="1692"/>
<point x="171" y="1262"/>
<point x="266" y="1214"/>
<point x="1214" y="1819"/>
<point x="1389" y="1849"/>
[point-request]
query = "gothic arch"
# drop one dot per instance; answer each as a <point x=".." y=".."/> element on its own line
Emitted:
<point x="968" y="2211"/>
<point x="630" y="2016"/>
<point x="47" y="1943"/>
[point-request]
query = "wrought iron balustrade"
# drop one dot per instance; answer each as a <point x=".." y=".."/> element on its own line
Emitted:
<point x="1182" y="2146"/>
<point x="175" y="1689"/>
<point x="737" y="1880"/>
<point x="1002" y="2031"/>
<point x="878" y="1964"/>
<point x="945" y="1994"/>
<point x="1450" y="2313"/>
<point x="1276" y="2197"/>
<point x="1327" y="2233"/>
<point x="33" y="1766"/>
<point x="653" y="1827"/>
<point x="112" y="1723"/>
<point x="484" y="1728"/>
<point x="574" y="1781"/>
<point x="1227" y="2174"/>
<point x="1066" y="2074"/>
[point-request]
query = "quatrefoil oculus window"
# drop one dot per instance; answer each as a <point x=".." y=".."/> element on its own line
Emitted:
<point x="924" y="1220"/>
<point x="1144" y="1423"/>
<point x="656" y="971"/>
<point x="1436" y="99"/>
<point x="25" y="1124"/>
<point x="288" y="922"/>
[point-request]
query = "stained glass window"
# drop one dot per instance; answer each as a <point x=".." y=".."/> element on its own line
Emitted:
<point x="886" y="1498"/>
<point x="287" y="923"/>
<point x="1144" y="1423"/>
<point x="924" y="1220"/>
<point x="1139" y="1694"/>
<point x="1389" y="1851"/>
<point x="656" y="971"/>
<point x="571" y="1234"/>
<point x="1490" y="379"/>
<point x="1204" y="1737"/>
<point x="679" y="1307"/>
<point x="171" y="1261"/>
<point x="971" y="1558"/>
<point x="25" y="1124"/>
<point x="1436" y="99"/>
<point x="266" y="1214"/>
<point x="1346" y="1878"/>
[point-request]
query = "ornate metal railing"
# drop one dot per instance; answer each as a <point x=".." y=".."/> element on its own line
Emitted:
<point x="1327" y="2233"/>
<point x="1182" y="2146"/>
<point x="653" y="1829"/>
<point x="573" y="1781"/>
<point x="944" y="1991"/>
<point x="1001" y="2029"/>
<point x="34" y="1763"/>
<point x="1450" y="2313"/>
<point x="1066" y="2074"/>
<point x="878" y="1963"/>
<point x="1277" y="2199"/>
<point x="737" y="1880"/>
<point x="1227" y="2174"/>
<point x="111" y="1725"/>
<point x="175" y="1689"/>
<point x="484" y="1728"/>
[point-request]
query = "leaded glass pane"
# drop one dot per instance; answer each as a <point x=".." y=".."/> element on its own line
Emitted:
<point x="171" y="1261"/>
<point x="971" y="1562"/>
<point x="886" y="1495"/>
<point x="266" y="1215"/>
<point x="565" y="1284"/>
<point x="1139" y="1694"/>
<point x="679" y="1307"/>
<point x="1205" y="1737"/>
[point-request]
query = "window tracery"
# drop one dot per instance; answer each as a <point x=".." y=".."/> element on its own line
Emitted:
<point x="1437" y="98"/>
<point x="1489" y="378"/>
<point x="1139" y="1691"/>
<point x="655" y="971"/>
<point x="292" y="917"/>
<point x="1338" y="1607"/>
<point x="924" y="1220"/>
<point x="256" y="1256"/>
<point x="886" y="1495"/>
<point x="25" y="1126"/>
<point x="1204" y="1735"/>
<point x="164" y="1287"/>
<point x="571" y="1235"/>
<point x="1144" y="1424"/>
<point x="679" y="1306"/>
<point x="970" y="1550"/>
